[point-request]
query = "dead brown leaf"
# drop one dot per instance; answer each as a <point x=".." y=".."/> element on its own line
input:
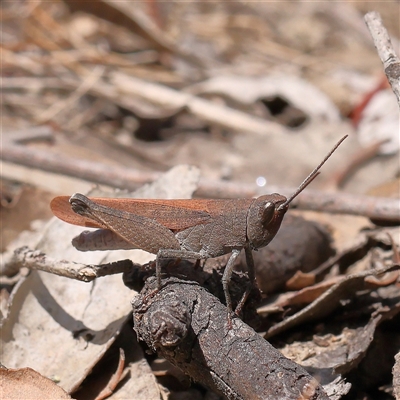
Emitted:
<point x="26" y="383"/>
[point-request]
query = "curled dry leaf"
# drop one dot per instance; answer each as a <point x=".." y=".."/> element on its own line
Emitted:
<point x="300" y="280"/>
<point x="303" y="296"/>
<point x="354" y="252"/>
<point x="384" y="279"/>
<point x="366" y="347"/>
<point x="300" y="245"/>
<point x="328" y="301"/>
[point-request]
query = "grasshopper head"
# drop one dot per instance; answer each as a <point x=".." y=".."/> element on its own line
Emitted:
<point x="266" y="212"/>
<point x="264" y="219"/>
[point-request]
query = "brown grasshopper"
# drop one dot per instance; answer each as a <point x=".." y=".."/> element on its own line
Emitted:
<point x="186" y="229"/>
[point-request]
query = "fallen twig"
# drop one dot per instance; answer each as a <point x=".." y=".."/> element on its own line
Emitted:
<point x="388" y="56"/>
<point x="34" y="259"/>
<point x="121" y="177"/>
<point x="363" y="156"/>
<point x="205" y="109"/>
<point x="65" y="104"/>
<point x="151" y="99"/>
<point x="188" y="326"/>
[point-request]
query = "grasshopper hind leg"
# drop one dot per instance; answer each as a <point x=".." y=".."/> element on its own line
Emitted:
<point x="171" y="253"/>
<point x="174" y="254"/>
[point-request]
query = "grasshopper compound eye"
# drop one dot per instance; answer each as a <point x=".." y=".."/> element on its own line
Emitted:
<point x="268" y="213"/>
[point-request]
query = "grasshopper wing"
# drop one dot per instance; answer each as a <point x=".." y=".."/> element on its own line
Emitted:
<point x="173" y="214"/>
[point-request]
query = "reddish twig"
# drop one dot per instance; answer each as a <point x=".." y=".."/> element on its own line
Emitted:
<point x="115" y="379"/>
<point x="356" y="113"/>
<point x="358" y="159"/>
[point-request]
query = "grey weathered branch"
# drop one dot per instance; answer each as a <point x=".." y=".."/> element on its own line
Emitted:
<point x="188" y="326"/>
<point x="34" y="259"/>
<point x="388" y="56"/>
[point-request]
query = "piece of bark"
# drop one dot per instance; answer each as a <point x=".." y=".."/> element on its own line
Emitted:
<point x="189" y="327"/>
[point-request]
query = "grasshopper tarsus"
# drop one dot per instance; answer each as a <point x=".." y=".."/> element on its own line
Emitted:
<point x="242" y="302"/>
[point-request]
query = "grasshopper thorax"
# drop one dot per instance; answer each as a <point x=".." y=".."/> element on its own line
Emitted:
<point x="264" y="219"/>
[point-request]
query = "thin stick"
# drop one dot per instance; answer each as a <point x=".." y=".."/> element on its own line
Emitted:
<point x="71" y="101"/>
<point x="33" y="259"/>
<point x="115" y="379"/>
<point x="388" y="56"/>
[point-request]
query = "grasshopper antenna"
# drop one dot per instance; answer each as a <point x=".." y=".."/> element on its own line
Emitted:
<point x="315" y="172"/>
